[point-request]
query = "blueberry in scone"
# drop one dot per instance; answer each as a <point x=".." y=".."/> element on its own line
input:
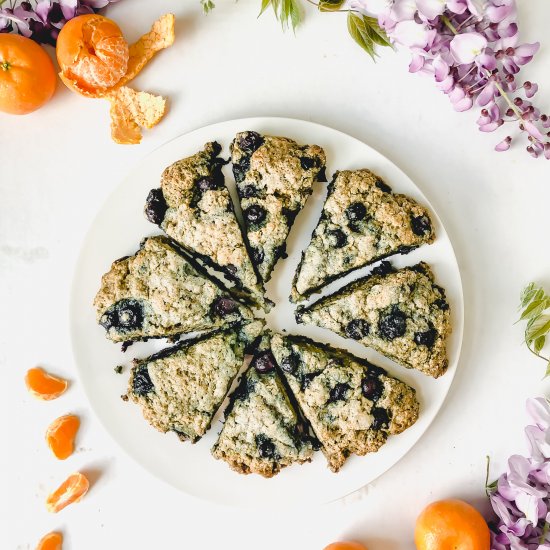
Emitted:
<point x="274" y="177"/>
<point x="352" y="405"/>
<point x="263" y="431"/>
<point x="194" y="207"/>
<point x="161" y="292"/>
<point x="180" y="388"/>
<point x="403" y="314"/>
<point x="362" y="222"/>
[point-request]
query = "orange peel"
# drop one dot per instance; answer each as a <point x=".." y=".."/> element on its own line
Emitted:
<point x="130" y="110"/>
<point x="70" y="491"/>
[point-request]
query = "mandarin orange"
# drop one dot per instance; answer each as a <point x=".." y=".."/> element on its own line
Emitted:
<point x="27" y="75"/>
<point x="71" y="490"/>
<point x="61" y="434"/>
<point x="92" y="53"/>
<point x="51" y="541"/>
<point x="345" y="546"/>
<point x="451" y="525"/>
<point x="43" y="385"/>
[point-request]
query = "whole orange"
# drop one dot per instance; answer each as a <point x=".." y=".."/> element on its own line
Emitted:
<point x="345" y="546"/>
<point x="27" y="75"/>
<point x="451" y="525"/>
<point x="92" y="52"/>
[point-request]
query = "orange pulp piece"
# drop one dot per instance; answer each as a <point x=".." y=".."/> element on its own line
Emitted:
<point x="43" y="385"/>
<point x="61" y="434"/>
<point x="451" y="525"/>
<point x="71" y="490"/>
<point x="51" y="541"/>
<point x="92" y="52"/>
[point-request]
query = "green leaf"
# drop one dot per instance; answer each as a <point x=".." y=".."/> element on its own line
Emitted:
<point x="539" y="343"/>
<point x="538" y="329"/>
<point x="527" y="294"/>
<point x="535" y="308"/>
<point x="367" y="33"/>
<point x="330" y="5"/>
<point x="547" y="373"/>
<point x="288" y="12"/>
<point x="207" y="5"/>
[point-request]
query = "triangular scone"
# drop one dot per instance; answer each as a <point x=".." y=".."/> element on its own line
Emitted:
<point x="362" y="222"/>
<point x="274" y="178"/>
<point x="351" y="404"/>
<point x="263" y="431"/>
<point x="160" y="292"/>
<point x="194" y="207"/>
<point x="180" y="388"/>
<point x="401" y="313"/>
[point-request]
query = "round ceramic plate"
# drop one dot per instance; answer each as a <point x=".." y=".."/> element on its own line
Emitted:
<point x="118" y="230"/>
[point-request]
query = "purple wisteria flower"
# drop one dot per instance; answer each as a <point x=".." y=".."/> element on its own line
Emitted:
<point x="472" y="50"/>
<point x="521" y="496"/>
<point x="42" y="20"/>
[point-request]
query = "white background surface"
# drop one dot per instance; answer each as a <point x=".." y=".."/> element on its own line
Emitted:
<point x="58" y="165"/>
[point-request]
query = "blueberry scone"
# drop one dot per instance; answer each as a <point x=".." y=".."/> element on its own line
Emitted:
<point x="274" y="178"/>
<point x="180" y="388"/>
<point x="194" y="207"/>
<point x="352" y="405"/>
<point x="263" y="431"/>
<point x="401" y="313"/>
<point x="362" y="222"/>
<point x="160" y="292"/>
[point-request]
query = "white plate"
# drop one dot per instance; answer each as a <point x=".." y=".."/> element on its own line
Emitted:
<point x="117" y="231"/>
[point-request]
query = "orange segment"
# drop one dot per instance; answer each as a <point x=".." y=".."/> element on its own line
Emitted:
<point x="43" y="385"/>
<point x="71" y="490"/>
<point x="61" y="434"/>
<point x="451" y="525"/>
<point x="346" y="546"/>
<point x="51" y="541"/>
<point x="92" y="52"/>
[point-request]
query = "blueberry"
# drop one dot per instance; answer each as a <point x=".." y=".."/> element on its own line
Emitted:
<point x="224" y="306"/>
<point x="257" y="255"/>
<point x="264" y="362"/>
<point x="209" y="183"/>
<point x="383" y="186"/>
<point x="381" y="419"/>
<point x="290" y="363"/>
<point x="240" y="170"/>
<point x="249" y="141"/>
<point x="338" y="392"/>
<point x="266" y="447"/>
<point x="244" y="389"/>
<point x="421" y="225"/>
<point x="280" y="251"/>
<point x="142" y="384"/>
<point x="426" y="338"/>
<point x="322" y="175"/>
<point x="383" y="269"/>
<point x="307" y="163"/>
<point x="357" y="329"/>
<point x="392" y="324"/>
<point x="155" y="206"/>
<point x="307" y="379"/>
<point x="290" y="215"/>
<point x="255" y="214"/>
<point x="125" y="315"/>
<point x="231" y="269"/>
<point x="356" y="211"/>
<point x="419" y="268"/>
<point x="405" y="250"/>
<point x="372" y="388"/>
<point x="338" y="238"/>
<point x="248" y="191"/>
<point x="441" y="304"/>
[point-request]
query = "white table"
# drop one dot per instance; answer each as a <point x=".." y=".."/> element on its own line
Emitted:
<point x="57" y="167"/>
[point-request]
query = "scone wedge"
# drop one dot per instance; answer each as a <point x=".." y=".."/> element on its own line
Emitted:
<point x="194" y="207"/>
<point x="180" y="388"/>
<point x="362" y="222"/>
<point x="401" y="313"/>
<point x="274" y="177"/>
<point x="263" y="431"/>
<point x="160" y="292"/>
<point x="352" y="405"/>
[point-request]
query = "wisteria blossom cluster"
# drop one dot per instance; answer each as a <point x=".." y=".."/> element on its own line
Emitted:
<point x="521" y="496"/>
<point x="471" y="48"/>
<point x="42" y="20"/>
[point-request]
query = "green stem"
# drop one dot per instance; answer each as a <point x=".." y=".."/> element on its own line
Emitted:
<point x="448" y="24"/>
<point x="545" y="529"/>
<point x="330" y="11"/>
<point x="507" y="99"/>
<point x="547" y="359"/>
<point x="5" y="66"/>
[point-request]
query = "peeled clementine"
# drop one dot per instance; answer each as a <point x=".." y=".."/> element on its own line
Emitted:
<point x="92" y="53"/>
<point x="51" y="541"/>
<point x="61" y="434"/>
<point x="27" y="75"/>
<point x="71" y="490"/>
<point x="345" y="546"/>
<point x="451" y="525"/>
<point x="43" y="385"/>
